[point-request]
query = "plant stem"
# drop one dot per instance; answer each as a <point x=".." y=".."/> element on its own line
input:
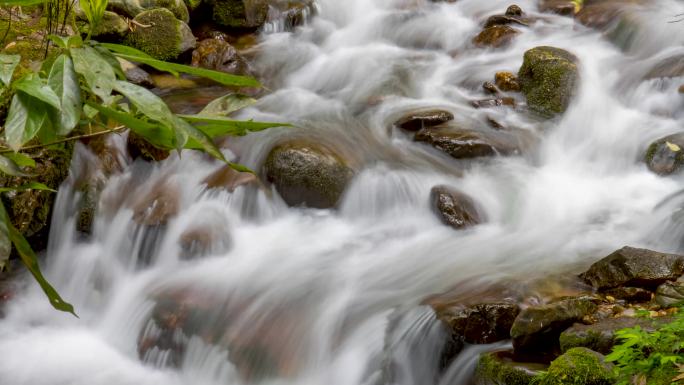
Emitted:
<point x="5" y="150"/>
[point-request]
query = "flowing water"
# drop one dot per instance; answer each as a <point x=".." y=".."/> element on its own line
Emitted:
<point x="307" y="296"/>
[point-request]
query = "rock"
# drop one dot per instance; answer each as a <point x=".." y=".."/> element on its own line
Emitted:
<point x="665" y="156"/>
<point x="537" y="328"/>
<point x="489" y="87"/>
<point x="681" y="89"/>
<point x="418" y="120"/>
<point x="31" y="210"/>
<point x="454" y="208"/>
<point x="601" y="14"/>
<point x="514" y="10"/>
<point x="466" y="143"/>
<point x="112" y="27"/>
<point x="483" y="323"/>
<point x="507" y="81"/>
<point x="158" y="205"/>
<point x="578" y="366"/>
<point x="560" y="7"/>
<point x="670" y="294"/>
<point x="549" y="78"/>
<point x="600" y="336"/>
<point x="672" y="67"/>
<point x="138" y="147"/>
<point x="227" y="178"/>
<point x="498" y="368"/>
<point x="496" y="36"/>
<point x="164" y="37"/>
<point x="634" y="267"/>
<point x="218" y="55"/>
<point x="503" y="20"/>
<point x="132" y="8"/>
<point x="489" y="103"/>
<point x="239" y="14"/>
<point x="135" y="74"/>
<point x="630" y="294"/>
<point x="307" y="174"/>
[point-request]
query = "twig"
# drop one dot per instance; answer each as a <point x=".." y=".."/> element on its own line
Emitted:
<point x="5" y="150"/>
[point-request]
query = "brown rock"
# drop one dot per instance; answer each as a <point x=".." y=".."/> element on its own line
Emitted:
<point x="226" y="177"/>
<point x="507" y="81"/>
<point x="483" y="323"/>
<point x="630" y="294"/>
<point x="465" y="143"/>
<point x="560" y="7"/>
<point x="416" y="121"/>
<point x="218" y="55"/>
<point x="496" y="36"/>
<point x="454" y="208"/>
<point x="489" y="103"/>
<point x="489" y="87"/>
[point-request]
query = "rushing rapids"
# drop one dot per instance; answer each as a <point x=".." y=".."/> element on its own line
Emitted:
<point x="181" y="283"/>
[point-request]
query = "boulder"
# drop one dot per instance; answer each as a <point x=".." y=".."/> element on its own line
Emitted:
<point x="239" y="14"/>
<point x="670" y="294"/>
<point x="600" y="336"/>
<point x="112" y="27"/>
<point x="634" y="267"/>
<point x="498" y="368"/>
<point x="161" y="34"/>
<point x="482" y="323"/>
<point x="132" y="8"/>
<point x="537" y="328"/>
<point x="665" y="156"/>
<point x="549" y="79"/>
<point x="507" y="81"/>
<point x="578" y="366"/>
<point x="218" y="55"/>
<point x="630" y="294"/>
<point x="454" y="208"/>
<point x="467" y="143"/>
<point x="308" y="174"/>
<point x="496" y="36"/>
<point x="418" y="120"/>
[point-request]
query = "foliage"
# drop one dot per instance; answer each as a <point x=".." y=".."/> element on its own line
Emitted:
<point x="650" y="357"/>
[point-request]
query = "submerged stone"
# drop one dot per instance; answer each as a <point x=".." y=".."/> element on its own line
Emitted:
<point x="466" y="143"/>
<point x="455" y="208"/>
<point x="496" y="36"/>
<point x="665" y="156"/>
<point x="418" y="120"/>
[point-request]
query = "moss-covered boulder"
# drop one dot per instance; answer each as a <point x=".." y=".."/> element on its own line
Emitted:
<point x="665" y="156"/>
<point x="162" y="35"/>
<point x="630" y="266"/>
<point x="308" y="174"/>
<point x="455" y="208"/>
<point x="239" y="14"/>
<point x="578" y="366"/>
<point x="549" y="79"/>
<point x="498" y="368"/>
<point x="132" y="8"/>
<point x="537" y="328"/>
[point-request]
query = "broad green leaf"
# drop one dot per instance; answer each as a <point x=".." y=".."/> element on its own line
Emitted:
<point x="47" y="134"/>
<point x="25" y="118"/>
<point x="20" y="3"/>
<point x="8" y="63"/>
<point x="125" y="50"/>
<point x="7" y="166"/>
<point x="227" y="104"/>
<point x="157" y="134"/>
<point x="30" y="260"/>
<point x="64" y="81"/>
<point x="60" y="41"/>
<point x="112" y="60"/>
<point x="36" y="87"/>
<point x="197" y="135"/>
<point x="96" y="71"/>
<point x="28" y="186"/>
<point x="215" y="126"/>
<point x="22" y="160"/>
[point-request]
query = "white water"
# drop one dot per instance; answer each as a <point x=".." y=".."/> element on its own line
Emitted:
<point x="332" y="296"/>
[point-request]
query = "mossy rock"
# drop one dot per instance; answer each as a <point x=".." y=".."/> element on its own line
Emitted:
<point x="665" y="156"/>
<point x="240" y="14"/>
<point x="112" y="28"/>
<point x="132" y="8"/>
<point x="578" y="366"/>
<point x="497" y="368"/>
<point x="165" y="38"/>
<point x="549" y="79"/>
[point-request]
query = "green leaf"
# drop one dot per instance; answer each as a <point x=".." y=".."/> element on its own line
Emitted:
<point x="8" y="167"/>
<point x="96" y="71"/>
<point x="8" y="63"/>
<point x="204" y="141"/>
<point x="25" y="118"/>
<point x="33" y="85"/>
<point x="66" y="42"/>
<point x="227" y="104"/>
<point x="215" y="126"/>
<point x="64" y="81"/>
<point x="30" y="260"/>
<point x="240" y="168"/>
<point x="20" y="159"/>
<point x="125" y="50"/>
<point x="21" y="3"/>
<point x="112" y="60"/>
<point x="157" y="134"/>
<point x="28" y="186"/>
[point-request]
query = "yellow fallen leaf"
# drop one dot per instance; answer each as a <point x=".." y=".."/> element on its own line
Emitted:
<point x="673" y="147"/>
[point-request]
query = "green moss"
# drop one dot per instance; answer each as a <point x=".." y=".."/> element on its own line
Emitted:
<point x="177" y="7"/>
<point x="578" y="366"/>
<point x="493" y="370"/>
<point x="235" y="13"/>
<point x="163" y="39"/>
<point x="112" y="27"/>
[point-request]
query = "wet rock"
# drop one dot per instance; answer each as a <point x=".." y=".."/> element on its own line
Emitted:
<point x="507" y="81"/>
<point x="634" y="267"/>
<point x="602" y="14"/>
<point x="514" y="10"/>
<point x="630" y="294"/>
<point x="418" y="120"/>
<point x="496" y="36"/>
<point x="537" y="328"/>
<point x="135" y="74"/>
<point x="239" y="14"/>
<point x="162" y="35"/>
<point x="132" y="8"/>
<point x="670" y="294"/>
<point x="218" y="55"/>
<point x="227" y="178"/>
<point x="454" y="208"/>
<point x="503" y="20"/>
<point x="489" y="103"/>
<point x="295" y="14"/>
<point x="465" y="143"/>
<point x="549" y="78"/>
<point x="499" y="368"/>
<point x="671" y="67"/>
<point x="600" y="336"/>
<point x="560" y="7"/>
<point x="489" y="87"/>
<point x="483" y="323"/>
<point x="665" y="156"/>
<point x="138" y="147"/>
<point x="681" y="89"/>
<point x="307" y="174"/>
<point x="156" y="206"/>
<point x="579" y="366"/>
